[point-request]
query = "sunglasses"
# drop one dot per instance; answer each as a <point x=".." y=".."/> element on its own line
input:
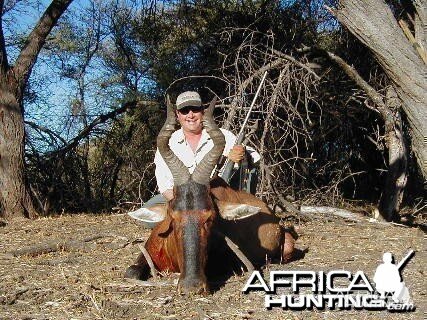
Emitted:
<point x="186" y="110"/>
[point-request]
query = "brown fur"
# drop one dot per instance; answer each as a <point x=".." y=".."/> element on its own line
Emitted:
<point x="258" y="237"/>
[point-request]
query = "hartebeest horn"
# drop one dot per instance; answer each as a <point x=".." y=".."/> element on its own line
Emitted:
<point x="204" y="169"/>
<point x="179" y="170"/>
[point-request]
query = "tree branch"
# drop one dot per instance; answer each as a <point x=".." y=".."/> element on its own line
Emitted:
<point x="295" y="61"/>
<point x="49" y="132"/>
<point x="3" y="54"/>
<point x="257" y="74"/>
<point x="10" y="5"/>
<point x="101" y="119"/>
<point x="355" y="76"/>
<point x="37" y="38"/>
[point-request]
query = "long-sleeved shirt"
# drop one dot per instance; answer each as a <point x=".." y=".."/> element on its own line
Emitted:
<point x="183" y="151"/>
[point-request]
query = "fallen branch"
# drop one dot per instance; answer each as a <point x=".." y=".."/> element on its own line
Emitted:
<point x="54" y="246"/>
<point x="11" y="299"/>
<point x="320" y="213"/>
<point x="342" y="213"/>
<point x="249" y="266"/>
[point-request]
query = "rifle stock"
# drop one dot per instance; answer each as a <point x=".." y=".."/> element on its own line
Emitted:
<point x="227" y="164"/>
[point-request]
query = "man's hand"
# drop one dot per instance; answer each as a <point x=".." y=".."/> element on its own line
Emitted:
<point x="237" y="153"/>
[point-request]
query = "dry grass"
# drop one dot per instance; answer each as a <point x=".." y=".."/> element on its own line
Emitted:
<point x="84" y="281"/>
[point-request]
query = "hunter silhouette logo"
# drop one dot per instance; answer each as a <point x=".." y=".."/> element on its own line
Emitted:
<point x="388" y="278"/>
<point x="337" y="289"/>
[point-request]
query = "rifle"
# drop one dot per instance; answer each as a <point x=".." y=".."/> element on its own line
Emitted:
<point x="224" y="161"/>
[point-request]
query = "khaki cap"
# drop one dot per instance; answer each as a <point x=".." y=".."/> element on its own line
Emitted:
<point x="188" y="99"/>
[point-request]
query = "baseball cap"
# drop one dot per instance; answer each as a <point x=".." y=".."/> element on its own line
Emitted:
<point x="188" y="99"/>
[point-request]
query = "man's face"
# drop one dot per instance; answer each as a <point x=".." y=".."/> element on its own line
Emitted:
<point x="190" y="119"/>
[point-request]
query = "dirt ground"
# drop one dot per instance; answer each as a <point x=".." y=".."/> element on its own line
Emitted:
<point x="82" y="278"/>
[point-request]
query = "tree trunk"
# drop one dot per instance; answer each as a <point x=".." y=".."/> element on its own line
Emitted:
<point x="420" y="23"/>
<point x="372" y="22"/>
<point x="14" y="197"/>
<point x="395" y="183"/>
<point x="394" y="186"/>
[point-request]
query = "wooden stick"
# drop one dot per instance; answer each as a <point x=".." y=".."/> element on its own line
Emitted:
<point x="249" y="266"/>
<point x="149" y="260"/>
<point x="56" y="245"/>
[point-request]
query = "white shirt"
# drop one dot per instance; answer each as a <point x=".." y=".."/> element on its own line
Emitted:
<point x="183" y="151"/>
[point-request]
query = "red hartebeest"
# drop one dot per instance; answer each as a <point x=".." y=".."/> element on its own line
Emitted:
<point x="183" y="240"/>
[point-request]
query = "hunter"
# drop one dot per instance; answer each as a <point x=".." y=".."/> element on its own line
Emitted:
<point x="191" y="143"/>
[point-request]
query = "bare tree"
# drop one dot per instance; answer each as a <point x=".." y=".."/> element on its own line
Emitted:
<point x="86" y="38"/>
<point x="403" y="58"/>
<point x="14" y="196"/>
<point x="389" y="109"/>
<point x="283" y="109"/>
<point x="289" y="111"/>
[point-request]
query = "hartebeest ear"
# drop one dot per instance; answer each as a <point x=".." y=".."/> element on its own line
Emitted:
<point x="233" y="211"/>
<point x="149" y="216"/>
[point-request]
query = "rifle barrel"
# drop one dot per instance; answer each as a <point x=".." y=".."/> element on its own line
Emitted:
<point x="240" y="135"/>
<point x="226" y="163"/>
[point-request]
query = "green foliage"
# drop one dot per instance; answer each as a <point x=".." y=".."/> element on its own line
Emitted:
<point x="121" y="161"/>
